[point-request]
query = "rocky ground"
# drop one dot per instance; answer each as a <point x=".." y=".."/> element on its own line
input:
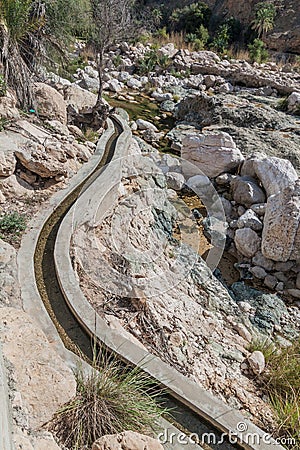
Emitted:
<point x="177" y="310"/>
<point x="231" y="126"/>
<point x="233" y="123"/>
<point x="37" y="157"/>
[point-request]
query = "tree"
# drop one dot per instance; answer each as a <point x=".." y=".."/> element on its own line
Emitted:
<point x="264" y="18"/>
<point x="190" y="17"/>
<point x="111" y="24"/>
<point x="27" y="27"/>
<point x="19" y="25"/>
<point x="257" y="51"/>
<point x="222" y="38"/>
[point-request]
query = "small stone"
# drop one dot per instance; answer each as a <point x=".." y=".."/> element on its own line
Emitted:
<point x="270" y="281"/>
<point x="284" y="266"/>
<point x="245" y="306"/>
<point x="294" y="292"/>
<point x="260" y="260"/>
<point x="259" y="208"/>
<point x="257" y="362"/>
<point x="249" y="219"/>
<point x="2" y="198"/>
<point x="241" y="210"/>
<point x="247" y="242"/>
<point x="145" y="125"/>
<point x="246" y="192"/>
<point x="280" y="276"/>
<point x="225" y="179"/>
<point x="258" y="272"/>
<point x="243" y="332"/>
<point x="279" y="286"/>
<point x="175" y="181"/>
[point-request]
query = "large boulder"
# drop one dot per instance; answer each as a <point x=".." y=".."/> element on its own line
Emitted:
<point x="212" y="153"/>
<point x="245" y="191"/>
<point x="42" y="161"/>
<point x="247" y="242"/>
<point x="79" y="98"/>
<point x="50" y="103"/>
<point x="42" y="378"/>
<point x="293" y="102"/>
<point x="8" y="109"/>
<point x="9" y="143"/>
<point x="281" y="232"/>
<point x="127" y="441"/>
<point x="145" y="125"/>
<point x="9" y="284"/>
<point x="274" y="173"/>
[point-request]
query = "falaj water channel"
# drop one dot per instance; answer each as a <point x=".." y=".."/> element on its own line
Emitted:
<point x="190" y="413"/>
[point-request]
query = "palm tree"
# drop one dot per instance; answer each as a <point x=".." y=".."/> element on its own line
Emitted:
<point x="264" y="18"/>
<point x="20" y="23"/>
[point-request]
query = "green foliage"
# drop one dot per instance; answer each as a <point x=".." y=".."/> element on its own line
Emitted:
<point x="199" y="39"/>
<point x="17" y="19"/>
<point x="190" y="17"/>
<point x="162" y="33"/>
<point x="110" y="399"/>
<point x="3" y="87"/>
<point x="157" y="16"/>
<point x="222" y="38"/>
<point x="117" y="60"/>
<point x="265" y="13"/>
<point x="67" y="18"/>
<point x="258" y="52"/>
<point x="151" y="59"/>
<point x="12" y="224"/>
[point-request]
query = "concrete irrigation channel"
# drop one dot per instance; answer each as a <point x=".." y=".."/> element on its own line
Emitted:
<point x="51" y="294"/>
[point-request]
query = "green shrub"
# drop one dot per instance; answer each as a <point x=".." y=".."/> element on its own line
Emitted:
<point x="12" y="223"/>
<point x="189" y="18"/>
<point x="258" y="52"/>
<point x="117" y="60"/>
<point x="199" y="38"/>
<point x="222" y="38"/>
<point x="162" y="33"/>
<point x="110" y="399"/>
<point x="151" y="60"/>
<point x="282" y="104"/>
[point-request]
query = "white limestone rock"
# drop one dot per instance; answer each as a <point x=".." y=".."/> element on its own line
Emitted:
<point x="249" y="220"/>
<point x="175" y="180"/>
<point x="212" y="153"/>
<point x="247" y="242"/>
<point x="257" y="362"/>
<point x="245" y="191"/>
<point x="281" y="232"/>
<point x="145" y="125"/>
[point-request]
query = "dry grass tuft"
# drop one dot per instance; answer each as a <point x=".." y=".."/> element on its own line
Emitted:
<point x="111" y="398"/>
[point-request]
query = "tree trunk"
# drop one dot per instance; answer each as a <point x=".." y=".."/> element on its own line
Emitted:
<point x="100" y="64"/>
<point x="16" y="72"/>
